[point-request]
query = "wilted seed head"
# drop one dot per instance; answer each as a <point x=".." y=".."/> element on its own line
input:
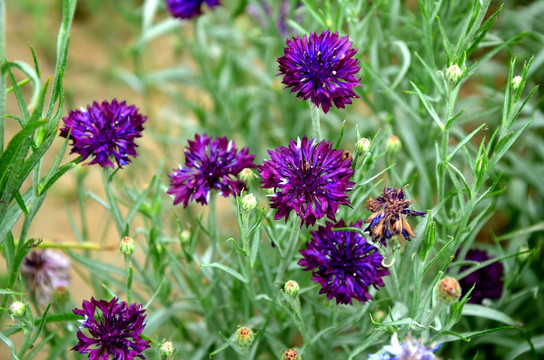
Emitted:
<point x="516" y="81"/>
<point x="363" y="145"/>
<point x="244" y="337"/>
<point x="291" y="354"/>
<point x="249" y="202"/>
<point x="453" y="73"/>
<point x="166" y="349"/>
<point x="127" y="246"/>
<point x="291" y="288"/>
<point x="17" y="309"/>
<point x="448" y="290"/>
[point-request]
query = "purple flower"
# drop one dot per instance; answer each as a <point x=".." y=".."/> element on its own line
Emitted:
<point x="187" y="9"/>
<point x="114" y="330"/>
<point x="104" y="130"/>
<point x="321" y="68"/>
<point x="209" y="164"/>
<point x="308" y="177"/>
<point x="46" y="271"/>
<point x="487" y="281"/>
<point x="343" y="263"/>
<point x="410" y="349"/>
<point x="389" y="219"/>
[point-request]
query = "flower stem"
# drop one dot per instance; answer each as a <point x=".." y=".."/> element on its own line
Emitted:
<point x="114" y="208"/>
<point x="314" y="113"/>
<point x="128" y="269"/>
<point x="291" y="247"/>
<point x="212" y="222"/>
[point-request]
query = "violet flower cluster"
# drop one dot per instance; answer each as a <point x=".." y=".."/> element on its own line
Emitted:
<point x="389" y="215"/>
<point x="210" y="164"/>
<point x="104" y="131"/>
<point x="321" y="68"/>
<point x="309" y="178"/>
<point x="343" y="263"/>
<point x="487" y="281"/>
<point x="111" y="330"/>
<point x="46" y="271"/>
<point x="187" y="9"/>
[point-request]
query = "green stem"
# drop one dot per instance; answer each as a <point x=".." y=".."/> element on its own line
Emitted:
<point x="114" y="208"/>
<point x="129" y="271"/>
<point x="2" y="79"/>
<point x="395" y="282"/>
<point x="436" y="310"/>
<point x="291" y="247"/>
<point x="314" y="113"/>
<point x="212" y="222"/>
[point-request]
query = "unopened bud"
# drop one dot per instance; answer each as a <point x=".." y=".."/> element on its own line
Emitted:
<point x="185" y="236"/>
<point x="246" y="174"/>
<point x="453" y="73"/>
<point x="363" y="145"/>
<point x="448" y="290"/>
<point x="127" y="246"/>
<point x="244" y="337"/>
<point x="291" y="354"/>
<point x="291" y="288"/>
<point x="393" y="144"/>
<point x="516" y="81"/>
<point x="166" y="349"/>
<point x="17" y="309"/>
<point x="61" y="295"/>
<point x="249" y="202"/>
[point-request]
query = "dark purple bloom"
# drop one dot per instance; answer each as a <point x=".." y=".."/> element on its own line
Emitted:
<point x="308" y="177"/>
<point x="487" y="281"/>
<point x="343" y="263"/>
<point x="46" y="271"/>
<point x="321" y="68"/>
<point x="187" y="9"/>
<point x="104" y="130"/>
<point x="114" y="330"/>
<point x="389" y="219"/>
<point x="209" y="164"/>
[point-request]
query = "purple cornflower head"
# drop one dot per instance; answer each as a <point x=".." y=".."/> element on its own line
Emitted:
<point x="343" y="263"/>
<point x="410" y="349"/>
<point x="45" y="271"/>
<point x="104" y="130"/>
<point x="308" y="177"/>
<point x="389" y="219"/>
<point x="209" y="164"/>
<point x="188" y="9"/>
<point x="321" y="68"/>
<point x="487" y="281"/>
<point x="114" y="330"/>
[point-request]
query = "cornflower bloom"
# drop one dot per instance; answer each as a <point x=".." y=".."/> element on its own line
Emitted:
<point x="410" y="349"/>
<point x="188" y="9"/>
<point x="321" y="68"/>
<point x="114" y="330"/>
<point x="209" y="164"/>
<point x="487" y="281"/>
<point x="104" y="131"/>
<point x="308" y="177"/>
<point x="389" y="218"/>
<point x="343" y="263"/>
<point x="45" y="271"/>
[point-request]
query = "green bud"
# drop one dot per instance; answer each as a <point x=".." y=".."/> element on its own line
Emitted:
<point x="291" y="288"/>
<point x="246" y="174"/>
<point x="363" y="145"/>
<point x="249" y="202"/>
<point x="453" y="73"/>
<point x="291" y="354"/>
<point x="244" y="337"/>
<point x="61" y="295"/>
<point x="185" y="236"/>
<point x="127" y="246"/>
<point x="393" y="144"/>
<point x="166" y="349"/>
<point x="448" y="290"/>
<point x="516" y="81"/>
<point x="17" y="309"/>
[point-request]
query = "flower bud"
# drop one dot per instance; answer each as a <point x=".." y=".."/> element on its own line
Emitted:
<point x="61" y="295"/>
<point x="291" y="288"/>
<point x="363" y="145"/>
<point x="185" y="236"/>
<point x="17" y="309"/>
<point x="166" y="349"/>
<point x="448" y="290"/>
<point x="244" y="337"/>
<point x="453" y="73"/>
<point x="127" y="246"/>
<point x="291" y="354"/>
<point x="393" y="144"/>
<point x="246" y="174"/>
<point x="249" y="202"/>
<point x="516" y="81"/>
